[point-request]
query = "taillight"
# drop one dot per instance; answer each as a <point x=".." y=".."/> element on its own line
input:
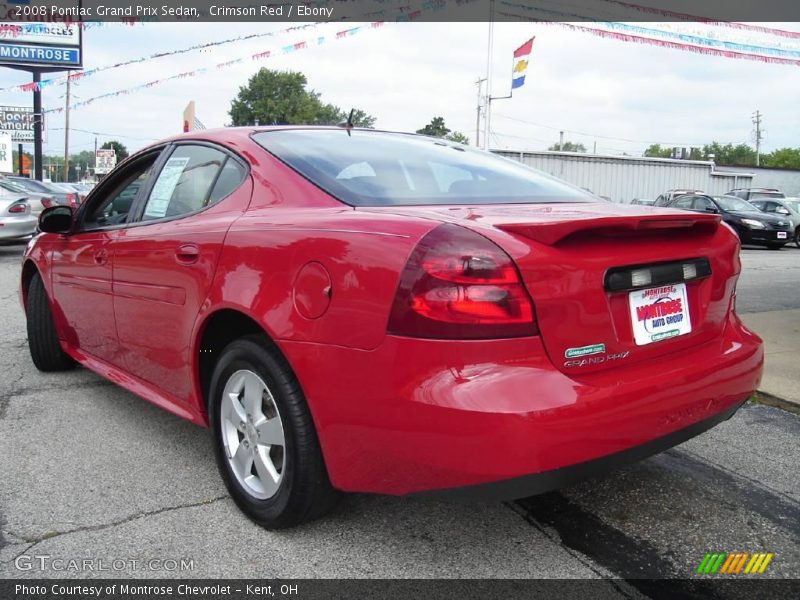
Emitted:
<point x="71" y="200"/>
<point x="457" y="284"/>
<point x="18" y="207"/>
<point x="47" y="202"/>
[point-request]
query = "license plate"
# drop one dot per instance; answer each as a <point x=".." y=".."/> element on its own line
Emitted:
<point x="781" y="235"/>
<point x="659" y="313"/>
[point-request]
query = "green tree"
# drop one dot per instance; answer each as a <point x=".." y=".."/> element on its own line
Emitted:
<point x="728" y="154"/>
<point x="785" y="158"/>
<point x="119" y="149"/>
<point x="568" y="147"/>
<point x="281" y="97"/>
<point x="437" y="128"/>
<point x="656" y="151"/>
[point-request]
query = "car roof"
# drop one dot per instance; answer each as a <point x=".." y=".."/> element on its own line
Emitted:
<point x="223" y="134"/>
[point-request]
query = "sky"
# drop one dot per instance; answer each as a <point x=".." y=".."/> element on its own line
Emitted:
<point x="618" y="95"/>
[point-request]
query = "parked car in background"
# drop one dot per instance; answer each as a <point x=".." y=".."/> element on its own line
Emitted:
<point x="73" y="188"/>
<point x="751" y="225"/>
<point x="364" y="311"/>
<point x="668" y="196"/>
<point x="58" y="195"/>
<point x="783" y="207"/>
<point x="643" y="201"/>
<point x="16" y="220"/>
<point x="750" y="194"/>
<point x="38" y="201"/>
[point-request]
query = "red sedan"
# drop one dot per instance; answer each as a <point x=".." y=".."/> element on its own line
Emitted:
<point x="363" y="311"/>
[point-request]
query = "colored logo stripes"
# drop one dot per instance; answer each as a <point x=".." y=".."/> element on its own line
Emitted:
<point x="734" y="563"/>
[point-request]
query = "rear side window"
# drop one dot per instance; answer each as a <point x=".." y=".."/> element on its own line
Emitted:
<point x="192" y="178"/>
<point x="374" y="168"/>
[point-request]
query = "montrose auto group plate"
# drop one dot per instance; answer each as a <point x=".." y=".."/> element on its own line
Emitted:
<point x="659" y="313"/>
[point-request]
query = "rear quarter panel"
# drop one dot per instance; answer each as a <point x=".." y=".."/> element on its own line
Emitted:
<point x="363" y="255"/>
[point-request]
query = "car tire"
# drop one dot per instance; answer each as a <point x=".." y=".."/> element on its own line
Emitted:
<point x="43" y="343"/>
<point x="265" y="443"/>
<point x="797" y="237"/>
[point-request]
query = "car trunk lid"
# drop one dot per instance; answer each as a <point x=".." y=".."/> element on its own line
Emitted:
<point x="611" y="284"/>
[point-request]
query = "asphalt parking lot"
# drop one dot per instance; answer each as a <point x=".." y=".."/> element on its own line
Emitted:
<point x="89" y="471"/>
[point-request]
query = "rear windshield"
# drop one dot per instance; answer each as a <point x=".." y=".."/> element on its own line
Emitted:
<point x="372" y="168"/>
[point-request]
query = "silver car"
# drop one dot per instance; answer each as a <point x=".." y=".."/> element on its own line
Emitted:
<point x="57" y="195"/>
<point x="38" y="200"/>
<point x="782" y="207"/>
<point x="16" y="220"/>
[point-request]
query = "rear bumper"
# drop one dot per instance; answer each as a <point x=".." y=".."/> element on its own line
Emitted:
<point x="420" y="415"/>
<point x="539" y="483"/>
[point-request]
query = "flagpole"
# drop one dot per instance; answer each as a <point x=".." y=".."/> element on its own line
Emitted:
<point x="488" y="116"/>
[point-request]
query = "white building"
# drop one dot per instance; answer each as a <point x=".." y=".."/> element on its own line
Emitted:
<point x="623" y="178"/>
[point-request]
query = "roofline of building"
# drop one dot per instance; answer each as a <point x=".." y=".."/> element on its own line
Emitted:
<point x="650" y="159"/>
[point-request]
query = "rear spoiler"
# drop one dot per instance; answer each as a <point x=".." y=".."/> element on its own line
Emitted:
<point x="552" y="233"/>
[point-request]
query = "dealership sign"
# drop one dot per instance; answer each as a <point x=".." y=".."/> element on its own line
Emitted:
<point x="39" y="36"/>
<point x="104" y="161"/>
<point x="18" y="121"/>
<point x="6" y="153"/>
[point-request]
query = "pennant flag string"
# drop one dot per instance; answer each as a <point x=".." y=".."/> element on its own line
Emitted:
<point x="29" y="87"/>
<point x="626" y="37"/>
<point x="686" y="17"/>
<point x="319" y="40"/>
<point x="406" y="13"/>
<point x="700" y="45"/>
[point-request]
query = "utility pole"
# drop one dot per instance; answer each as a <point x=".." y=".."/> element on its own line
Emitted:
<point x="38" y="119"/>
<point x="759" y="136"/>
<point x="66" y="134"/>
<point x="560" y="141"/>
<point x="488" y="114"/>
<point x="479" y="83"/>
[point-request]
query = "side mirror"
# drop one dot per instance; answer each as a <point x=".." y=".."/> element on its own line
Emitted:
<point x="781" y="211"/>
<point x="711" y="209"/>
<point x="56" y="219"/>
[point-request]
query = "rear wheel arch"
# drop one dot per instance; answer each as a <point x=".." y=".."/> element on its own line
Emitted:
<point x="219" y="329"/>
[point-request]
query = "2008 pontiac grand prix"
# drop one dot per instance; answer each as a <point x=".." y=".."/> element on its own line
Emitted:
<point x="363" y="311"/>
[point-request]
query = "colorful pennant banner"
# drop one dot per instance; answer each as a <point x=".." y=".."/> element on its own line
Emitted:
<point x="694" y="18"/>
<point x="317" y="41"/>
<point x="30" y="87"/>
<point x="638" y="34"/>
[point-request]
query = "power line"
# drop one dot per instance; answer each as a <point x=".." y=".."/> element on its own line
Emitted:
<point x="118" y="135"/>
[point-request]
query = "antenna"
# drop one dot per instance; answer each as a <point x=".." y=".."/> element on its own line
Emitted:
<point x="349" y="123"/>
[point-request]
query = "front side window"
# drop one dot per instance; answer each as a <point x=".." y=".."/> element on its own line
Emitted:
<point x="684" y="202"/>
<point x="188" y="182"/>
<point x="702" y="203"/>
<point x="112" y="204"/>
<point x="373" y="168"/>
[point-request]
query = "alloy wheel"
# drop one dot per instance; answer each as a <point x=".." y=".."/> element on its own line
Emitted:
<point x="252" y="434"/>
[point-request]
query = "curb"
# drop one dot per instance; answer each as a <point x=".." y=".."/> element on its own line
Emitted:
<point x="767" y="399"/>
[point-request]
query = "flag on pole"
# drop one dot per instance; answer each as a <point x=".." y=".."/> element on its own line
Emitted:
<point x="521" y="55"/>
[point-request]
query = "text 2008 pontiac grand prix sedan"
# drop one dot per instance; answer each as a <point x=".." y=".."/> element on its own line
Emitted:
<point x="363" y="311"/>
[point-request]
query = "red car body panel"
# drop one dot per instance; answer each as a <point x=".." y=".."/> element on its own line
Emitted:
<point x="397" y="414"/>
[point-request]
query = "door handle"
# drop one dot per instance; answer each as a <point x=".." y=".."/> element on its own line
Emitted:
<point x="187" y="253"/>
<point x="101" y="257"/>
